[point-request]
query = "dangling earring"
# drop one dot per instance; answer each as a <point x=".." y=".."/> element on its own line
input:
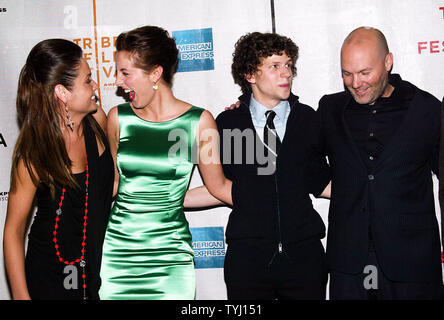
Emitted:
<point x="69" y="122"/>
<point x="155" y="86"/>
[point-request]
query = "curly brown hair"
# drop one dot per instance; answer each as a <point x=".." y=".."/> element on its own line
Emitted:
<point x="252" y="48"/>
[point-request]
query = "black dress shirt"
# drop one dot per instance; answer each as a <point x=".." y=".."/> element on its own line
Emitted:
<point x="372" y="126"/>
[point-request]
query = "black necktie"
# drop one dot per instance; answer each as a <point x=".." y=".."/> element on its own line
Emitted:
<point x="271" y="138"/>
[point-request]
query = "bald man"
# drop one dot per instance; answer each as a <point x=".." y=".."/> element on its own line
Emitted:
<point x="381" y="136"/>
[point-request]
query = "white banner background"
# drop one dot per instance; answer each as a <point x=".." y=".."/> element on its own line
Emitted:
<point x="413" y="29"/>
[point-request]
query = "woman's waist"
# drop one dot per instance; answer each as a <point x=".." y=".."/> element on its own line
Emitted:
<point x="149" y="201"/>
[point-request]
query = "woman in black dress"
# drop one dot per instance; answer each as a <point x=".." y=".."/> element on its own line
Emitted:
<point x="62" y="159"/>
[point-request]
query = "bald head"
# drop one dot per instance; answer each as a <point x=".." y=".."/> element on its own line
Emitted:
<point x="366" y="63"/>
<point x="367" y="36"/>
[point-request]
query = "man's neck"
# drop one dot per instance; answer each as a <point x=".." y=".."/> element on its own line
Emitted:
<point x="388" y="91"/>
<point x="267" y="103"/>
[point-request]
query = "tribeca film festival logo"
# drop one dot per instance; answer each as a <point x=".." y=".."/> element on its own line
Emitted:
<point x="106" y="56"/>
<point x="195" y="49"/>
<point x="432" y="46"/>
<point x="209" y="247"/>
<point x="105" y="45"/>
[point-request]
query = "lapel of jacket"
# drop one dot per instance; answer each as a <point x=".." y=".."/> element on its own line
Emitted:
<point x="341" y="123"/>
<point x="245" y="110"/>
<point x="247" y="122"/>
<point x="408" y="92"/>
<point x="395" y="141"/>
<point x="293" y="101"/>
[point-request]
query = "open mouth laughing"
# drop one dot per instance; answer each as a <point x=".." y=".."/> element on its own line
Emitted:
<point x="131" y="94"/>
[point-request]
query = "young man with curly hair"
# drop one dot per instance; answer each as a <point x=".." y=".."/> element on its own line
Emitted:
<point x="269" y="149"/>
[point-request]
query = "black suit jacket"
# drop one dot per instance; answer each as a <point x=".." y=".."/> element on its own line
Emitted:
<point x="273" y="207"/>
<point x="395" y="202"/>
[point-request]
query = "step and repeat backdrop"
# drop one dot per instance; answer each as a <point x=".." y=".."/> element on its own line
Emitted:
<point x="205" y="33"/>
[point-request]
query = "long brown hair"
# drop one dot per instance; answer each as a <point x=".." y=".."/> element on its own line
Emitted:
<point x="40" y="144"/>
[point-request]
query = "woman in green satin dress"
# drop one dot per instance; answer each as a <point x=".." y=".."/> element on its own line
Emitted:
<point x="155" y="140"/>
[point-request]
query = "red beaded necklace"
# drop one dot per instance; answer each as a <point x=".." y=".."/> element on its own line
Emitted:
<point x="81" y="261"/>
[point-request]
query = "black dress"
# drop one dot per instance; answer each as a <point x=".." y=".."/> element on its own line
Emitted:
<point x="46" y="276"/>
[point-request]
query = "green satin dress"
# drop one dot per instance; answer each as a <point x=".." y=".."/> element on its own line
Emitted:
<point x="147" y="252"/>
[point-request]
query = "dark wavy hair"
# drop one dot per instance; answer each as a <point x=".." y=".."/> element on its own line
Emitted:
<point x="40" y="144"/>
<point x="151" y="46"/>
<point x="252" y="48"/>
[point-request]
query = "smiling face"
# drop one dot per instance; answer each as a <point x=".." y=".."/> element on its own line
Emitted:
<point x="365" y="70"/>
<point x="82" y="98"/>
<point x="271" y="83"/>
<point x="135" y="81"/>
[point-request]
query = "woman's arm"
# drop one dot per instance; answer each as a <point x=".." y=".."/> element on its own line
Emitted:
<point x="200" y="197"/>
<point x="19" y="208"/>
<point x="209" y="161"/>
<point x="112" y="126"/>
